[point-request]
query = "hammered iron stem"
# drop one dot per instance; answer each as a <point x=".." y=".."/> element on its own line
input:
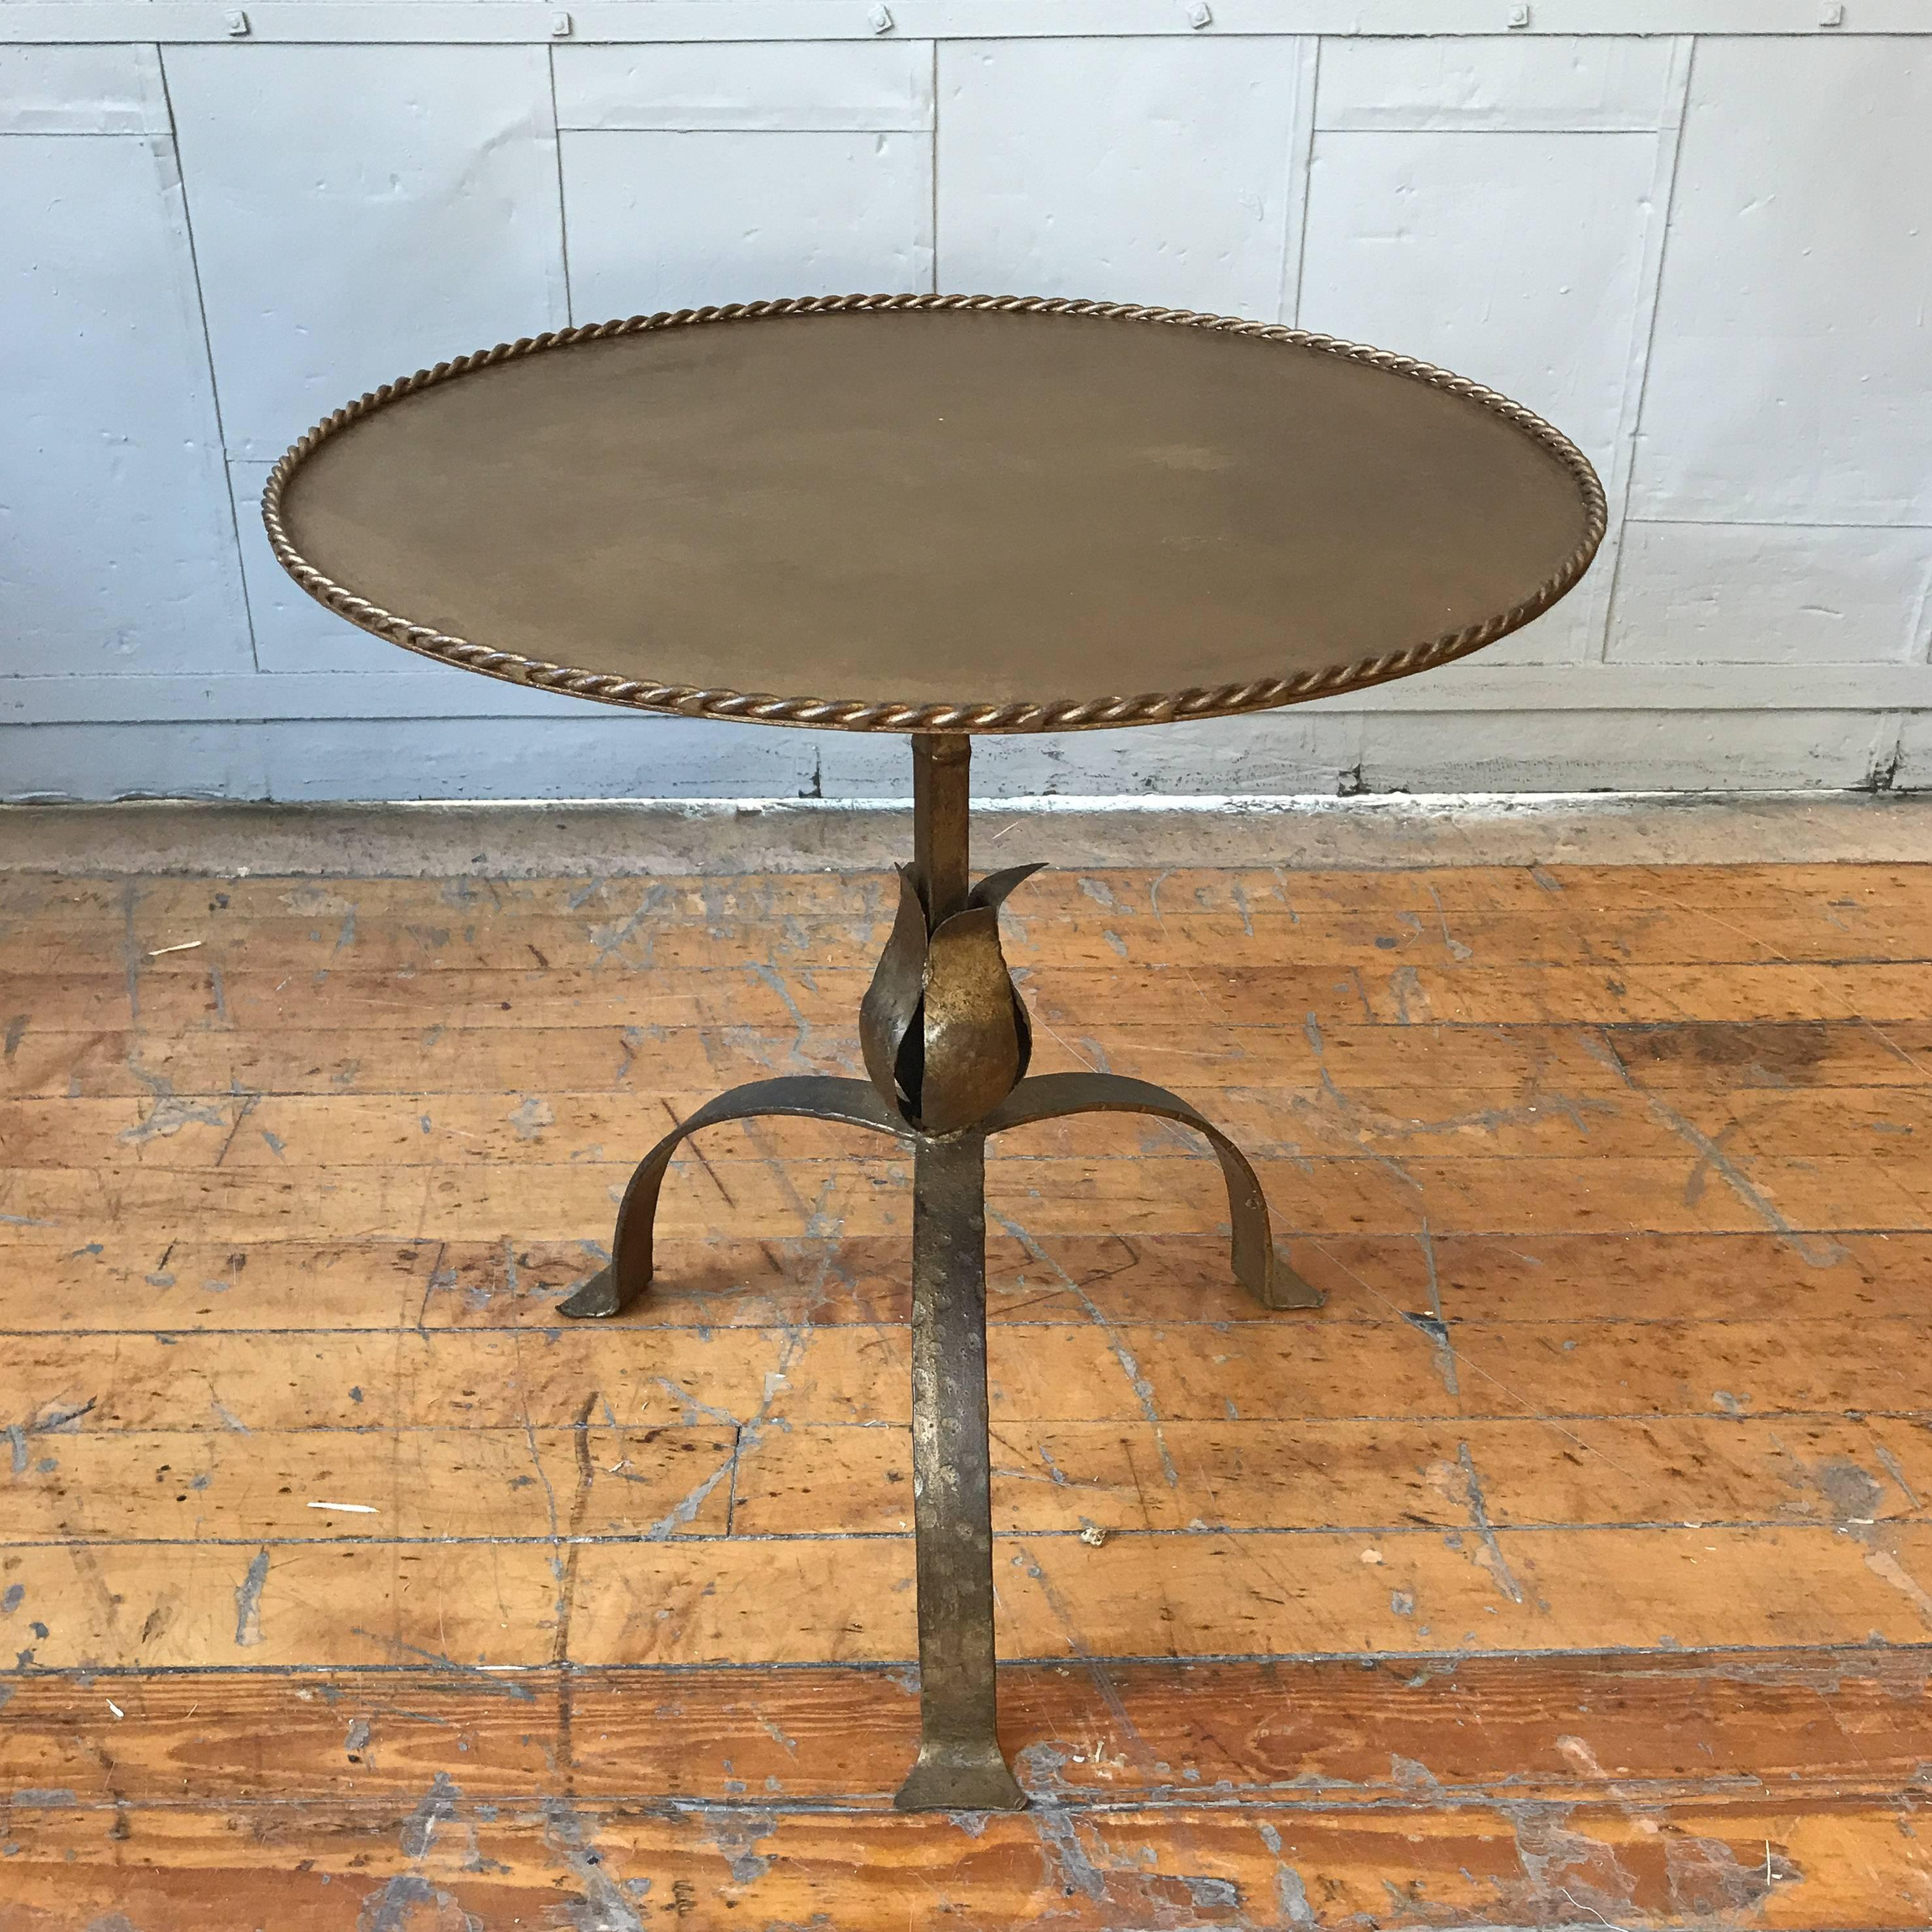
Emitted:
<point x="946" y="1041"/>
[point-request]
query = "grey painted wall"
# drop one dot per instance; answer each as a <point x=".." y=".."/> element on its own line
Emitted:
<point x="1693" y="235"/>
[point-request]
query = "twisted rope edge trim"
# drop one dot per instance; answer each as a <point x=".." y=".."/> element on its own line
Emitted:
<point x="857" y="715"/>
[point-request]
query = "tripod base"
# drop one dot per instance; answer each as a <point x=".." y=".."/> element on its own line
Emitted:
<point x="936" y="1021"/>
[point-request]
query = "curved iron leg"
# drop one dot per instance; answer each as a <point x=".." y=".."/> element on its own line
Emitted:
<point x="814" y="1096"/>
<point x="1050" y="1096"/>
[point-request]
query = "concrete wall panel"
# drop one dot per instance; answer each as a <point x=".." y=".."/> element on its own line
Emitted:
<point x="81" y="90"/>
<point x="1125" y="170"/>
<point x="117" y="547"/>
<point x="361" y="212"/>
<point x="1543" y="83"/>
<point x="676" y="220"/>
<point x="785" y="87"/>
<point x="1770" y="593"/>
<point x="1787" y="382"/>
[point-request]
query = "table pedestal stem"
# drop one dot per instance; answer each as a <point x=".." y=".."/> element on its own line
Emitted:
<point x="941" y="824"/>
<point x="960" y="1766"/>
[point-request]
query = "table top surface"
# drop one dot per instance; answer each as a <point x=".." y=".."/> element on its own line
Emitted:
<point x="923" y="517"/>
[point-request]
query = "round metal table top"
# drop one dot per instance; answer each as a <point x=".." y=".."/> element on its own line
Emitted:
<point x="936" y="513"/>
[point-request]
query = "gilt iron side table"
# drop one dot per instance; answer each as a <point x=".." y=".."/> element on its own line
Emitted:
<point x="953" y="515"/>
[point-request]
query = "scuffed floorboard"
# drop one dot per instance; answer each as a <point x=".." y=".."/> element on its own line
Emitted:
<point x="1572" y="1567"/>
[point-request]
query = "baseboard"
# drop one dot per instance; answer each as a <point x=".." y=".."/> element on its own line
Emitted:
<point x="599" y="837"/>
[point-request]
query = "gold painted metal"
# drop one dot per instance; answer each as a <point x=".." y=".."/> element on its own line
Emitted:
<point x="943" y="1029"/>
<point x="941" y="803"/>
<point x="814" y="1096"/>
<point x="960" y="1766"/>
<point x="968" y="514"/>
<point x="953" y="513"/>
<point x="946" y="1041"/>
<point x="889" y="1016"/>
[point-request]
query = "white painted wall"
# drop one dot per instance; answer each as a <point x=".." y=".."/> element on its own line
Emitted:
<point x="1695" y="233"/>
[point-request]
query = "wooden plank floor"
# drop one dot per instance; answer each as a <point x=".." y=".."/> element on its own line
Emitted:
<point x="1571" y="1566"/>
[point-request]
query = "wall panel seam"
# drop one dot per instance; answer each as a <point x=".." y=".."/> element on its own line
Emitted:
<point x="932" y="164"/>
<point x="1771" y="524"/>
<point x="1643" y="336"/>
<point x="563" y="200"/>
<point x="1300" y="168"/>
<point x="207" y="354"/>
